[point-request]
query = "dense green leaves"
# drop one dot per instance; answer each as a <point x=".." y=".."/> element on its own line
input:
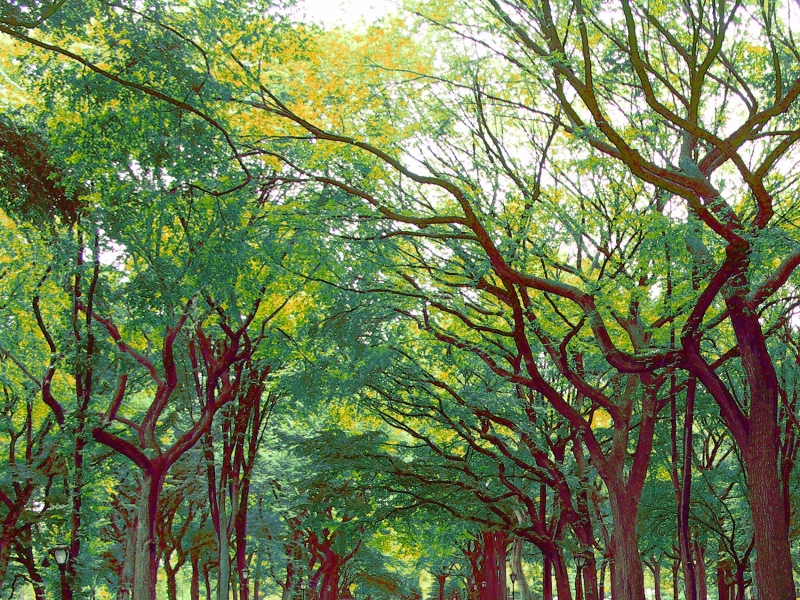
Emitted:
<point x="342" y="306"/>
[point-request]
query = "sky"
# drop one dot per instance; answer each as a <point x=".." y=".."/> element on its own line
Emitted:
<point x="345" y="12"/>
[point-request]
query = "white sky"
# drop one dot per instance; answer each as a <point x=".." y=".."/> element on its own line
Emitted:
<point x="345" y="12"/>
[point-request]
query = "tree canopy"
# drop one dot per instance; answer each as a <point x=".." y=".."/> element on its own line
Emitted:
<point x="476" y="300"/>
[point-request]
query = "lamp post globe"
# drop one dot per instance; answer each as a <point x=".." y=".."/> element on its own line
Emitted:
<point x="61" y="554"/>
<point x="245" y="574"/>
<point x="581" y="560"/>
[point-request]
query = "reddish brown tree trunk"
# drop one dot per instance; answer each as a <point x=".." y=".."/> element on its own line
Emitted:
<point x="682" y="482"/>
<point x="7" y="537"/>
<point x="207" y="578"/>
<point x="627" y="578"/>
<point x="194" y="592"/>
<point x="77" y="488"/>
<point x="240" y="526"/>
<point x="589" y="580"/>
<point x="700" y="570"/>
<point x="547" y="577"/>
<point x="563" y="589"/>
<point x="657" y="578"/>
<point x="494" y="564"/>
<point x="741" y="585"/>
<point x="760" y="443"/>
<point x="172" y="583"/>
<point x="84" y="375"/>
<point x="725" y="588"/>
<point x="25" y="556"/>
<point x="441" y="579"/>
<point x="601" y="592"/>
<point x="330" y="582"/>
<point x="675" y="569"/>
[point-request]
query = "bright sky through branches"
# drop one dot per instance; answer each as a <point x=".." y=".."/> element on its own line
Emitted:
<point x="345" y="12"/>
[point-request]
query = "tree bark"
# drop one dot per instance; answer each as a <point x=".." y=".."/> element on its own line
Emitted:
<point x="207" y="577"/>
<point x="725" y="589"/>
<point x="547" y="577"/>
<point x="129" y="559"/>
<point x="145" y="570"/>
<point x="627" y="581"/>
<point x="516" y="569"/>
<point x="494" y="564"/>
<point x="761" y="448"/>
<point x="657" y="578"/>
<point x="675" y="569"/>
<point x="194" y="593"/>
<point x="563" y="588"/>
<point x="7" y="538"/>
<point x="601" y="592"/>
<point x="172" y="584"/>
<point x="441" y="579"/>
<point x="700" y="571"/>
<point x="682" y="482"/>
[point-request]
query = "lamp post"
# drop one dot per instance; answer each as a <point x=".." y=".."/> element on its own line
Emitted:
<point x="245" y="576"/>
<point x="580" y="562"/>
<point x="303" y="587"/>
<point x="61" y="556"/>
<point x="513" y="586"/>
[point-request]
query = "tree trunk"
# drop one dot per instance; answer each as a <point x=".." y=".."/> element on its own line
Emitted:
<point x="741" y="585"/>
<point x="627" y="575"/>
<point x="441" y="578"/>
<point x="224" y="559"/>
<point x="194" y="593"/>
<point x="516" y="569"/>
<point x="601" y="592"/>
<point x="563" y="588"/>
<point x="143" y="585"/>
<point x="172" y="584"/>
<point x="773" y="569"/>
<point x="145" y="569"/>
<point x="657" y="578"/>
<point x="547" y="577"/>
<point x="38" y="590"/>
<point x="240" y="531"/>
<point x="700" y="570"/>
<point x="207" y="577"/>
<point x="682" y="482"/>
<point x="25" y="555"/>
<point x="77" y="495"/>
<point x="330" y="582"/>
<point x="675" y="569"/>
<point x="129" y="559"/>
<point x="589" y="575"/>
<point x="494" y="564"/>
<point x="9" y="532"/>
<point x="725" y="588"/>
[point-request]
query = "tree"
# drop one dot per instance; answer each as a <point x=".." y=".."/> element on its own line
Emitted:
<point x="601" y="214"/>
<point x="728" y="233"/>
